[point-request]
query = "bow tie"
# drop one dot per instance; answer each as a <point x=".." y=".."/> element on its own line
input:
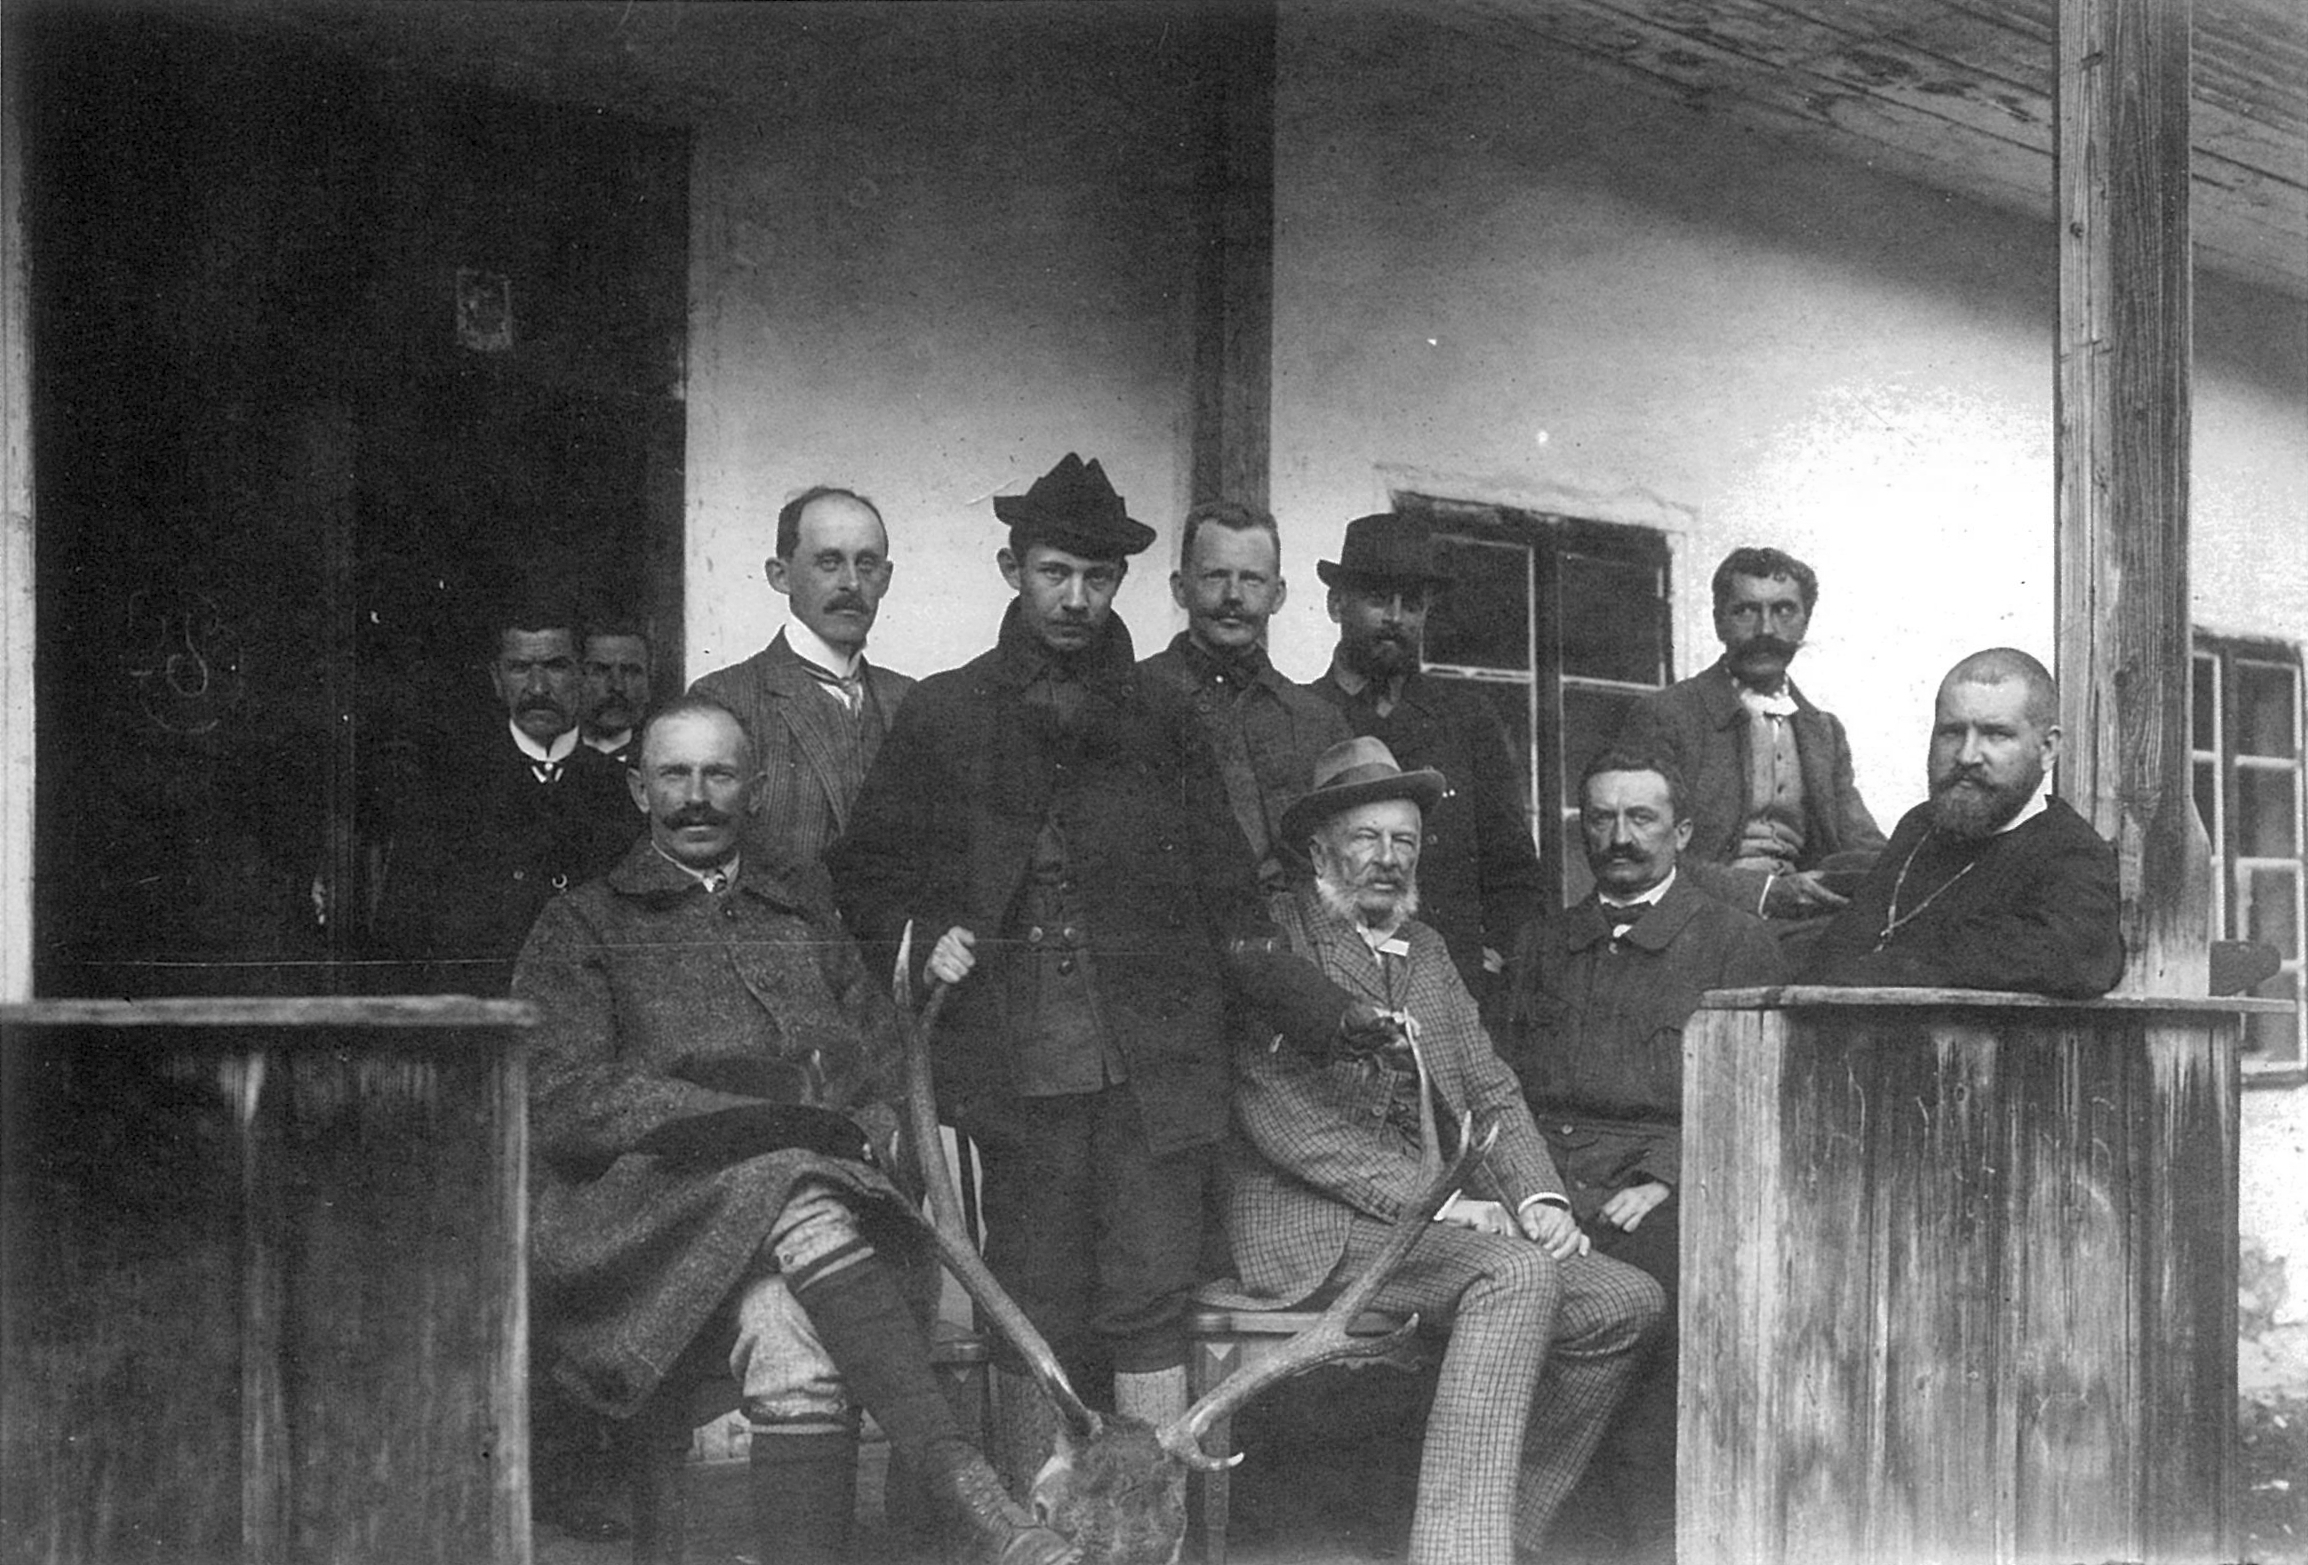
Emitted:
<point x="1622" y="919"/>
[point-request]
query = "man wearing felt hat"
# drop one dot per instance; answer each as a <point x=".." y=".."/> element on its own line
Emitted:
<point x="1544" y="1333"/>
<point x="1481" y="872"/>
<point x="1054" y="825"/>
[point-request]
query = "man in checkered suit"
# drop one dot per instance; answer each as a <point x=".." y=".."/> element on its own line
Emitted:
<point x="1543" y="1334"/>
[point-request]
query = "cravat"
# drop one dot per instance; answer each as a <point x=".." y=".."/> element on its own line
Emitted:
<point x="849" y="687"/>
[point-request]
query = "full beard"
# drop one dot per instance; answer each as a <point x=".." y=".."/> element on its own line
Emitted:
<point x="1381" y="657"/>
<point x="1970" y="808"/>
<point x="1383" y="908"/>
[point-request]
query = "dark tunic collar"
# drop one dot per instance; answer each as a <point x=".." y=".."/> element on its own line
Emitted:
<point x="1023" y="657"/>
<point x="1249" y="667"/>
<point x="1656" y="930"/>
<point x="648" y="877"/>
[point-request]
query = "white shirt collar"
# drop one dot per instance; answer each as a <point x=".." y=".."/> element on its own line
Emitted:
<point x="562" y="745"/>
<point x="727" y="868"/>
<point x="1649" y="898"/>
<point x="1776" y="703"/>
<point x="811" y="647"/>
<point x="2028" y="812"/>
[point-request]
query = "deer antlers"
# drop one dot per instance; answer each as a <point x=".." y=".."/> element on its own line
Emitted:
<point x="1328" y="1339"/>
<point x="946" y="1225"/>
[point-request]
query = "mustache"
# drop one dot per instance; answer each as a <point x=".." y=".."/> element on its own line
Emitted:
<point x="698" y="815"/>
<point x="848" y="602"/>
<point x="1622" y="855"/>
<point x="1766" y="645"/>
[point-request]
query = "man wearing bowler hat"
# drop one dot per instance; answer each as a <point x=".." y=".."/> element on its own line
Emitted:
<point x="1479" y="875"/>
<point x="1053" y="824"/>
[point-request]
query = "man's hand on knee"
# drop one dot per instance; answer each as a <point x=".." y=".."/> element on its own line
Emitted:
<point x="1553" y="1229"/>
<point x="955" y="954"/>
<point x="1627" y="1208"/>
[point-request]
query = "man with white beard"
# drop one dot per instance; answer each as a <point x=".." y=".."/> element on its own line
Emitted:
<point x="1991" y="883"/>
<point x="1544" y="1334"/>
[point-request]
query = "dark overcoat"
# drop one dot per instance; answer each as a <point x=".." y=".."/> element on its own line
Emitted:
<point x="1699" y="724"/>
<point x="945" y="829"/>
<point x="649" y="988"/>
<point x="1478" y="873"/>
<point x="1594" y="1028"/>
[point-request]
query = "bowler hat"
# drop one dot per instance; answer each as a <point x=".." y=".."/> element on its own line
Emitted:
<point x="1386" y="547"/>
<point x="1072" y="507"/>
<point x="1357" y="771"/>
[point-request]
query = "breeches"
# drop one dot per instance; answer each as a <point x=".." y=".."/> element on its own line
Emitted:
<point x="781" y="1368"/>
<point x="1095" y="1236"/>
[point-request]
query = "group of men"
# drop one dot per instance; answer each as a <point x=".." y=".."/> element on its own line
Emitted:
<point x="1203" y="929"/>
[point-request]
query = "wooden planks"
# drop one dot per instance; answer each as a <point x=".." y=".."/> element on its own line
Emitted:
<point x="1959" y="1282"/>
<point x="265" y="1299"/>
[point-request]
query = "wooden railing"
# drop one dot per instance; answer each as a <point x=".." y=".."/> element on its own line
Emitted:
<point x="264" y="1281"/>
<point x="1959" y="1278"/>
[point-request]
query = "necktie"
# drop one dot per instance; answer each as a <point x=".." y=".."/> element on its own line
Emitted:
<point x="850" y="688"/>
<point x="714" y="882"/>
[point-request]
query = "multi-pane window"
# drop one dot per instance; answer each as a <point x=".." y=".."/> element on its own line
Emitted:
<point x="2245" y="721"/>
<point x="1562" y="623"/>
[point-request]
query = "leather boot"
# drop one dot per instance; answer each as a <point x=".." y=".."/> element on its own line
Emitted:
<point x="1154" y="1396"/>
<point x="1025" y="1432"/>
<point x="804" y="1484"/>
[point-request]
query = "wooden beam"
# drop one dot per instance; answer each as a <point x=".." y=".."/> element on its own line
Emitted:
<point x="1234" y="286"/>
<point x="15" y="546"/>
<point x="2121" y="171"/>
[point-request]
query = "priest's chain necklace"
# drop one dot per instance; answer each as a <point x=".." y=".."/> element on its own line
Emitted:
<point x="1893" y="918"/>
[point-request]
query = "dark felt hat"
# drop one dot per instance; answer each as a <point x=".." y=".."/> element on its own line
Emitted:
<point x="1358" y="771"/>
<point x="1072" y="507"/>
<point x="1387" y="547"/>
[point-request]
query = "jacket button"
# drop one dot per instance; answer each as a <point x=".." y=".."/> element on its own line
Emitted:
<point x="1065" y="966"/>
<point x="1570" y="1129"/>
<point x="520" y="874"/>
<point x="729" y="911"/>
<point x="1034" y="935"/>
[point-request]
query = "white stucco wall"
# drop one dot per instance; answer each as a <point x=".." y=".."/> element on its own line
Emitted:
<point x="928" y="258"/>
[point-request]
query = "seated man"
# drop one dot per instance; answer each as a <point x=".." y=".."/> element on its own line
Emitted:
<point x="1543" y="1335"/>
<point x="710" y="1059"/>
<point x="1991" y="883"/>
<point x="1598" y="998"/>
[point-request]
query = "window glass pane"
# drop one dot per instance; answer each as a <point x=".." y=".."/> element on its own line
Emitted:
<point x="2264" y="813"/>
<point x="1591" y="719"/>
<point x="2204" y="706"/>
<point x="1612" y="623"/>
<point x="1484" y="620"/>
<point x="1577" y="881"/>
<point x="2271" y="1041"/>
<point x="2207" y="778"/>
<point x="2270" y="913"/>
<point x="1512" y="703"/>
<point x="2263" y="708"/>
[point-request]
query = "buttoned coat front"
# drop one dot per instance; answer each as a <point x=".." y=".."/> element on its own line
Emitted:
<point x="1700" y="725"/>
<point x="1595" y="1029"/>
<point x="800" y="732"/>
<point x="945" y="830"/>
<point x="1321" y="1147"/>
<point x="659" y="1002"/>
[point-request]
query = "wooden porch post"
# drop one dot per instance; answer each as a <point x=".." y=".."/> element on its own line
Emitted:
<point x="2121" y="169"/>
<point x="1234" y="287"/>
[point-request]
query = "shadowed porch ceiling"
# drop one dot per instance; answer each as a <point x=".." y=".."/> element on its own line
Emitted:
<point x="1955" y="94"/>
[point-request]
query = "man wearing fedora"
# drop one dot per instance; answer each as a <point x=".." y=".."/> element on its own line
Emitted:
<point x="1053" y="823"/>
<point x="1544" y="1334"/>
<point x="1481" y="877"/>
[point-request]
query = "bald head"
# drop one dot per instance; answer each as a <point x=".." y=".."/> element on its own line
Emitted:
<point x="2004" y="665"/>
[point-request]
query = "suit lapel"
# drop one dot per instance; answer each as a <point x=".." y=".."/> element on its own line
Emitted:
<point x="810" y="718"/>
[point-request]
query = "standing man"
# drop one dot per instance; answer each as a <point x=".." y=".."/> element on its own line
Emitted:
<point x="1266" y="730"/>
<point x="1054" y="820"/>
<point x="618" y="671"/>
<point x="1481" y="879"/>
<point x="1543" y="1333"/>
<point x="508" y="811"/>
<point x="1598" y="998"/>
<point x="713" y="1071"/>
<point x="1991" y="883"/>
<point x="1776" y="819"/>
<point x="816" y="707"/>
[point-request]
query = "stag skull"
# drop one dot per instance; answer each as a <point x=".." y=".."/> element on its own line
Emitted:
<point x="1115" y="1486"/>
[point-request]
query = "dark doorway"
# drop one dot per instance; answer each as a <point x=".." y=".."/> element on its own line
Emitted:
<point x="325" y="360"/>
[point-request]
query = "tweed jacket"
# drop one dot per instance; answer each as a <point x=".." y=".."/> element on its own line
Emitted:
<point x="1699" y="724"/>
<point x="945" y="829"/>
<point x="1595" y="1029"/>
<point x="1267" y="731"/>
<point x="1478" y="875"/>
<point x="479" y="847"/>
<point x="2036" y="910"/>
<point x="799" y="733"/>
<point x="1316" y="1148"/>
<point x="658" y="1002"/>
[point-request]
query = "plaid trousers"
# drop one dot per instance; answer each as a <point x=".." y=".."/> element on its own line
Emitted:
<point x="1540" y="1354"/>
